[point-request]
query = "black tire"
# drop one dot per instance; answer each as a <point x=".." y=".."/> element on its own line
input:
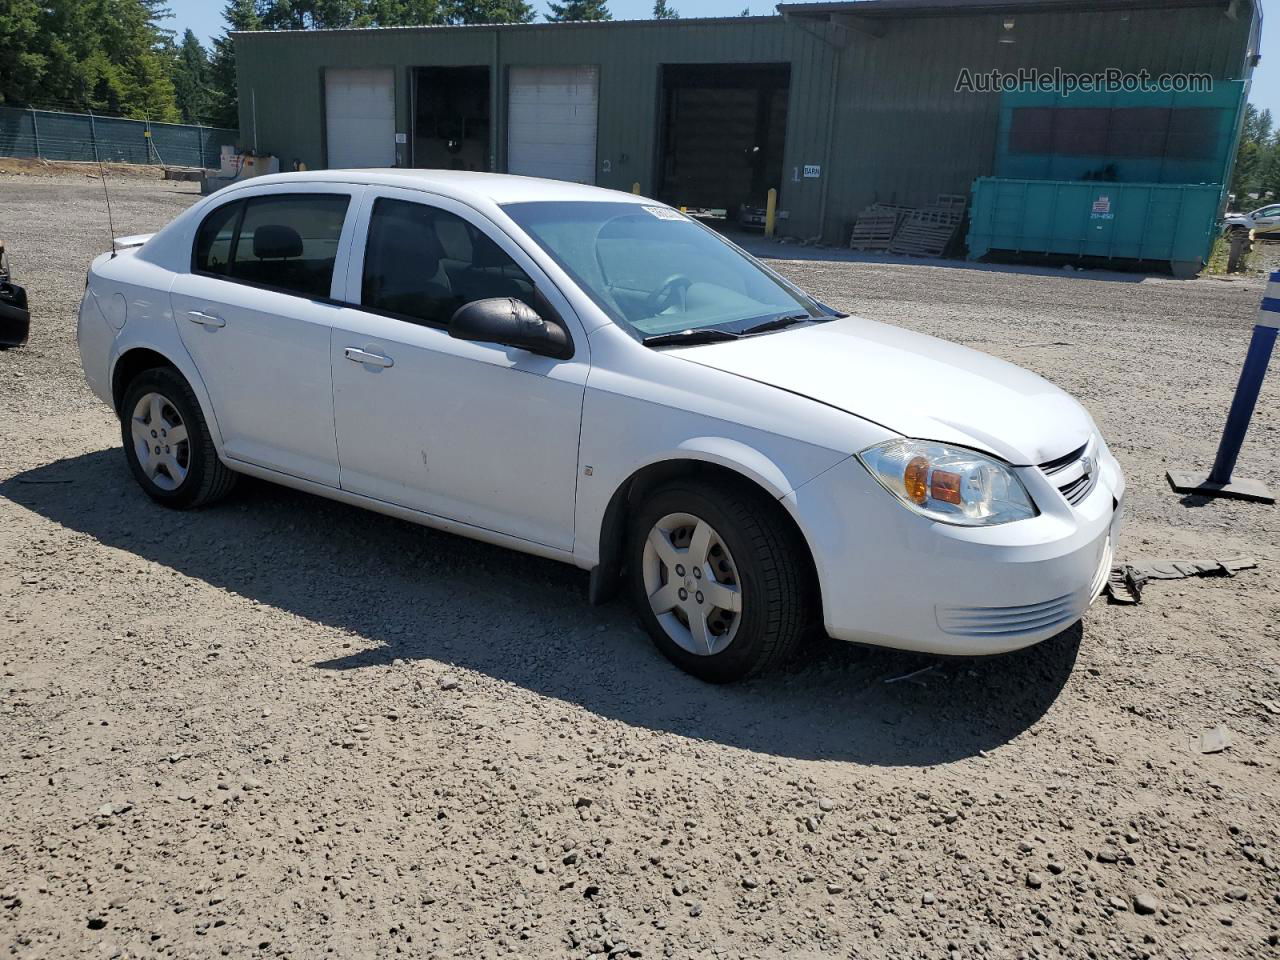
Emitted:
<point x="773" y="573"/>
<point x="207" y="478"/>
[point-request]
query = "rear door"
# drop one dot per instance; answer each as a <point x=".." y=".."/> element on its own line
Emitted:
<point x="256" y="313"/>
<point x="360" y="124"/>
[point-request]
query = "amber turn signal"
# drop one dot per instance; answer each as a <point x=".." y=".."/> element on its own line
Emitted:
<point x="916" y="480"/>
<point x="945" y="486"/>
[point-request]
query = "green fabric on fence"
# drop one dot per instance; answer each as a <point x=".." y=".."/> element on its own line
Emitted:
<point x="51" y="135"/>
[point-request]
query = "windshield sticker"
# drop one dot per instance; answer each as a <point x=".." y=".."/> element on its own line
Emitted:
<point x="665" y="213"/>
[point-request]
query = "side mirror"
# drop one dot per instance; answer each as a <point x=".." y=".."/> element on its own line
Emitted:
<point x="512" y="323"/>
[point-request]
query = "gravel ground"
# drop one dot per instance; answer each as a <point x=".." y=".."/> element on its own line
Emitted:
<point x="285" y="727"/>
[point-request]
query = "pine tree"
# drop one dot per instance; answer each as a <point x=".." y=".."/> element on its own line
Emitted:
<point x="404" y="13"/>
<point x="191" y="79"/>
<point x="22" y="59"/>
<point x="664" y="11"/>
<point x="491" y="11"/>
<point x="224" y="108"/>
<point x="313" y="14"/>
<point x="579" y="10"/>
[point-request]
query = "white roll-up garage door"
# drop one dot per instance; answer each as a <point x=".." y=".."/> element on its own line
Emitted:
<point x="551" y="122"/>
<point x="360" y="118"/>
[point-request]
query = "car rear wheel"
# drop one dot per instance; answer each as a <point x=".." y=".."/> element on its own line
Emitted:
<point x="167" y="442"/>
<point x="718" y="579"/>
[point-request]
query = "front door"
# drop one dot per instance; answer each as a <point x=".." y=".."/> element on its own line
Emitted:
<point x="474" y="432"/>
<point x="255" y="315"/>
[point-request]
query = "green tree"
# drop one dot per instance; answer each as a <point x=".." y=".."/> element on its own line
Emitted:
<point x="22" y="60"/>
<point x="664" y="11"/>
<point x="106" y="55"/>
<point x="403" y="13"/>
<point x="313" y="14"/>
<point x="1257" y="140"/>
<point x="191" y="81"/>
<point x="224" y="109"/>
<point x="1258" y="124"/>
<point x="1268" y="172"/>
<point x="491" y="11"/>
<point x="579" y="10"/>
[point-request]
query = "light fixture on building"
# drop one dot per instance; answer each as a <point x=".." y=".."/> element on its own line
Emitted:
<point x="1006" y="35"/>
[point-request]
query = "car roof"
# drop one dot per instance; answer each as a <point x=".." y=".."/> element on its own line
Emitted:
<point x="465" y="185"/>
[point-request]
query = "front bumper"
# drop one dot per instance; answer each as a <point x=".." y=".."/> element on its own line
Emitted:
<point x="892" y="578"/>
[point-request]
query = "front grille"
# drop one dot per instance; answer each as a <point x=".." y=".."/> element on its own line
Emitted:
<point x="1050" y="467"/>
<point x="1079" y="488"/>
<point x="1077" y="471"/>
<point x="1009" y="621"/>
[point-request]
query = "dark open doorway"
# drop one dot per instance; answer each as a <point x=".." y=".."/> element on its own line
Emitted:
<point x="723" y="131"/>
<point x="451" y="118"/>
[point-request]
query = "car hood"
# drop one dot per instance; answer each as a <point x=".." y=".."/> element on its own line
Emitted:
<point x="913" y="384"/>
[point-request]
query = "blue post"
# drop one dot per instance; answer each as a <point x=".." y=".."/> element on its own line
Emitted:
<point x="1221" y="481"/>
<point x="1246" y="398"/>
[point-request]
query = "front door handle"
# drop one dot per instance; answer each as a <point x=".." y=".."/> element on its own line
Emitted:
<point x="205" y="319"/>
<point x="356" y="355"/>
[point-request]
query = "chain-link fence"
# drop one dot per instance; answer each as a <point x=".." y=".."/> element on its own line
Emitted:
<point x="51" y="135"/>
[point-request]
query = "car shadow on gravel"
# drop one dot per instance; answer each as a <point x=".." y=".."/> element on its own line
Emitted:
<point x="409" y="593"/>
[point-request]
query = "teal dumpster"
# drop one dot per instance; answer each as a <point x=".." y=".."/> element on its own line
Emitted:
<point x="1120" y="137"/>
<point x="1085" y="220"/>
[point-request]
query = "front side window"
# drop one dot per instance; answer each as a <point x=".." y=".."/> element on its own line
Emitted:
<point x="422" y="263"/>
<point x="287" y="242"/>
<point x="656" y="271"/>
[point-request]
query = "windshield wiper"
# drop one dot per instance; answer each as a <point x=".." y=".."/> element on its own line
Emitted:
<point x="777" y="323"/>
<point x="687" y="337"/>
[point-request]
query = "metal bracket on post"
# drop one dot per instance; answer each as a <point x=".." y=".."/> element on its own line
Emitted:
<point x="1221" y="481"/>
<point x="35" y="134"/>
<point x="93" y="136"/>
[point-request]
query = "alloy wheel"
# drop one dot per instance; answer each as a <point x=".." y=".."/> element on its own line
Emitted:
<point x="692" y="584"/>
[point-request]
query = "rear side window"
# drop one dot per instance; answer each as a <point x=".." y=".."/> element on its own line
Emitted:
<point x="422" y="263"/>
<point x="287" y="242"/>
<point x="214" y="240"/>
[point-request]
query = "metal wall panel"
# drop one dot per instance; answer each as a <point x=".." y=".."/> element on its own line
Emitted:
<point x="906" y="135"/>
<point x="878" y="115"/>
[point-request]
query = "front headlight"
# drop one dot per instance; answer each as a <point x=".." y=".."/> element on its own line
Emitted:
<point x="949" y="484"/>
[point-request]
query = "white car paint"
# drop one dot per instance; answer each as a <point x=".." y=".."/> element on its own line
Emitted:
<point x="528" y="452"/>
<point x="1264" y="221"/>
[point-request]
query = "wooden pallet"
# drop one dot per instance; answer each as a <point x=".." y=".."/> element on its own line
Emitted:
<point x="927" y="232"/>
<point x="876" y="226"/>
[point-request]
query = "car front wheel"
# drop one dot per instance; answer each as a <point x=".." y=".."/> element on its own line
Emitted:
<point x="167" y="442"/>
<point x="718" y="579"/>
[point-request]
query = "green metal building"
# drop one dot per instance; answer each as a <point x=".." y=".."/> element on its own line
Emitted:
<point x="838" y="105"/>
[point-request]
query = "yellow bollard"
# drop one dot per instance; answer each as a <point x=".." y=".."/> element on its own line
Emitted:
<point x="635" y="187"/>
<point x="771" y="212"/>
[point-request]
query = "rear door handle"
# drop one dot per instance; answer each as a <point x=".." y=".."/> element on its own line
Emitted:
<point x="205" y="319"/>
<point x="356" y="355"/>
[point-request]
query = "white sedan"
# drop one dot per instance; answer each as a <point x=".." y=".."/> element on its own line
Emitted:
<point x="594" y="377"/>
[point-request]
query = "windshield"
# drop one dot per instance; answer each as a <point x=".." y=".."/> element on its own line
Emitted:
<point x="656" y="271"/>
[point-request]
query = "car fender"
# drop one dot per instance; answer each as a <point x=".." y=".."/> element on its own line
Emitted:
<point x="736" y="456"/>
<point x="602" y="490"/>
<point x="163" y="339"/>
